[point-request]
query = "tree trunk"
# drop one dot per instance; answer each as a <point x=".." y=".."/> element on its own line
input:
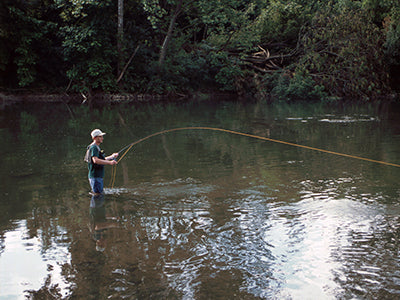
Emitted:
<point x="168" y="37"/>
<point x="120" y="34"/>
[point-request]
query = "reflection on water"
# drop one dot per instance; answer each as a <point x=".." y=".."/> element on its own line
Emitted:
<point x="26" y="266"/>
<point x="197" y="215"/>
<point x="335" y="119"/>
<point x="265" y="247"/>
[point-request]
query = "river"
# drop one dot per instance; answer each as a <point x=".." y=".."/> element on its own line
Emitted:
<point x="201" y="214"/>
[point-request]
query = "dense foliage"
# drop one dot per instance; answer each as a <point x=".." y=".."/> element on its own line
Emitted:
<point x="279" y="49"/>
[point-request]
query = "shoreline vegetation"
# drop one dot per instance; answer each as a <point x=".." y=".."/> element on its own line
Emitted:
<point x="142" y="50"/>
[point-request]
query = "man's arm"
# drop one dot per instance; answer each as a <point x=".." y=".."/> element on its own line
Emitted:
<point x="99" y="161"/>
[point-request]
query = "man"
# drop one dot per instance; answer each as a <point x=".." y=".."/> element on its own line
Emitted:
<point x="96" y="162"/>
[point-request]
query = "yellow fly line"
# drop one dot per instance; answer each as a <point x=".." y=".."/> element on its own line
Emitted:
<point x="129" y="147"/>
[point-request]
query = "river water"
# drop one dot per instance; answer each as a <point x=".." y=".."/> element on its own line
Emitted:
<point x="200" y="214"/>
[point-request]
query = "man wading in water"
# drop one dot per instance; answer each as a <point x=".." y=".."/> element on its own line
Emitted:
<point x="96" y="162"/>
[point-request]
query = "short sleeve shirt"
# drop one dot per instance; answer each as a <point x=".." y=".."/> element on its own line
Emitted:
<point x="95" y="170"/>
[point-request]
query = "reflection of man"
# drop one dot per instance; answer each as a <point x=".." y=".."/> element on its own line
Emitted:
<point x="99" y="222"/>
<point x="96" y="161"/>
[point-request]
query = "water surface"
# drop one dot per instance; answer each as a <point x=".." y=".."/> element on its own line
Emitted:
<point x="199" y="214"/>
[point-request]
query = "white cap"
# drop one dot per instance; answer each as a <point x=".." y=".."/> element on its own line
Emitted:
<point x="97" y="132"/>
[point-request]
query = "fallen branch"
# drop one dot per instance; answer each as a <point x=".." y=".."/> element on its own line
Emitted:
<point x="261" y="60"/>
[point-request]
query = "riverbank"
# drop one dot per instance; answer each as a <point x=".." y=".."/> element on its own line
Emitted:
<point x="75" y="98"/>
<point x="102" y="98"/>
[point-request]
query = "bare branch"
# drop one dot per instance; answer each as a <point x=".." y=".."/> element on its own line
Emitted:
<point x="127" y="64"/>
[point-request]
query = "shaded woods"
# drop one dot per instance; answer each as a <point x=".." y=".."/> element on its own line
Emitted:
<point x="277" y="49"/>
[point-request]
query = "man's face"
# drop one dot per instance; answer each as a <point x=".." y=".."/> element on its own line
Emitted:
<point x="99" y="139"/>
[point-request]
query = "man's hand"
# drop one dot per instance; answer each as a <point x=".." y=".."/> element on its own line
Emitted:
<point x="112" y="156"/>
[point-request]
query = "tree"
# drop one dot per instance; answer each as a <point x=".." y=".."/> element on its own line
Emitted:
<point x="392" y="45"/>
<point x="168" y="36"/>
<point x="287" y="48"/>
<point x="89" y="44"/>
<point x="120" y="33"/>
<point x="28" y="43"/>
